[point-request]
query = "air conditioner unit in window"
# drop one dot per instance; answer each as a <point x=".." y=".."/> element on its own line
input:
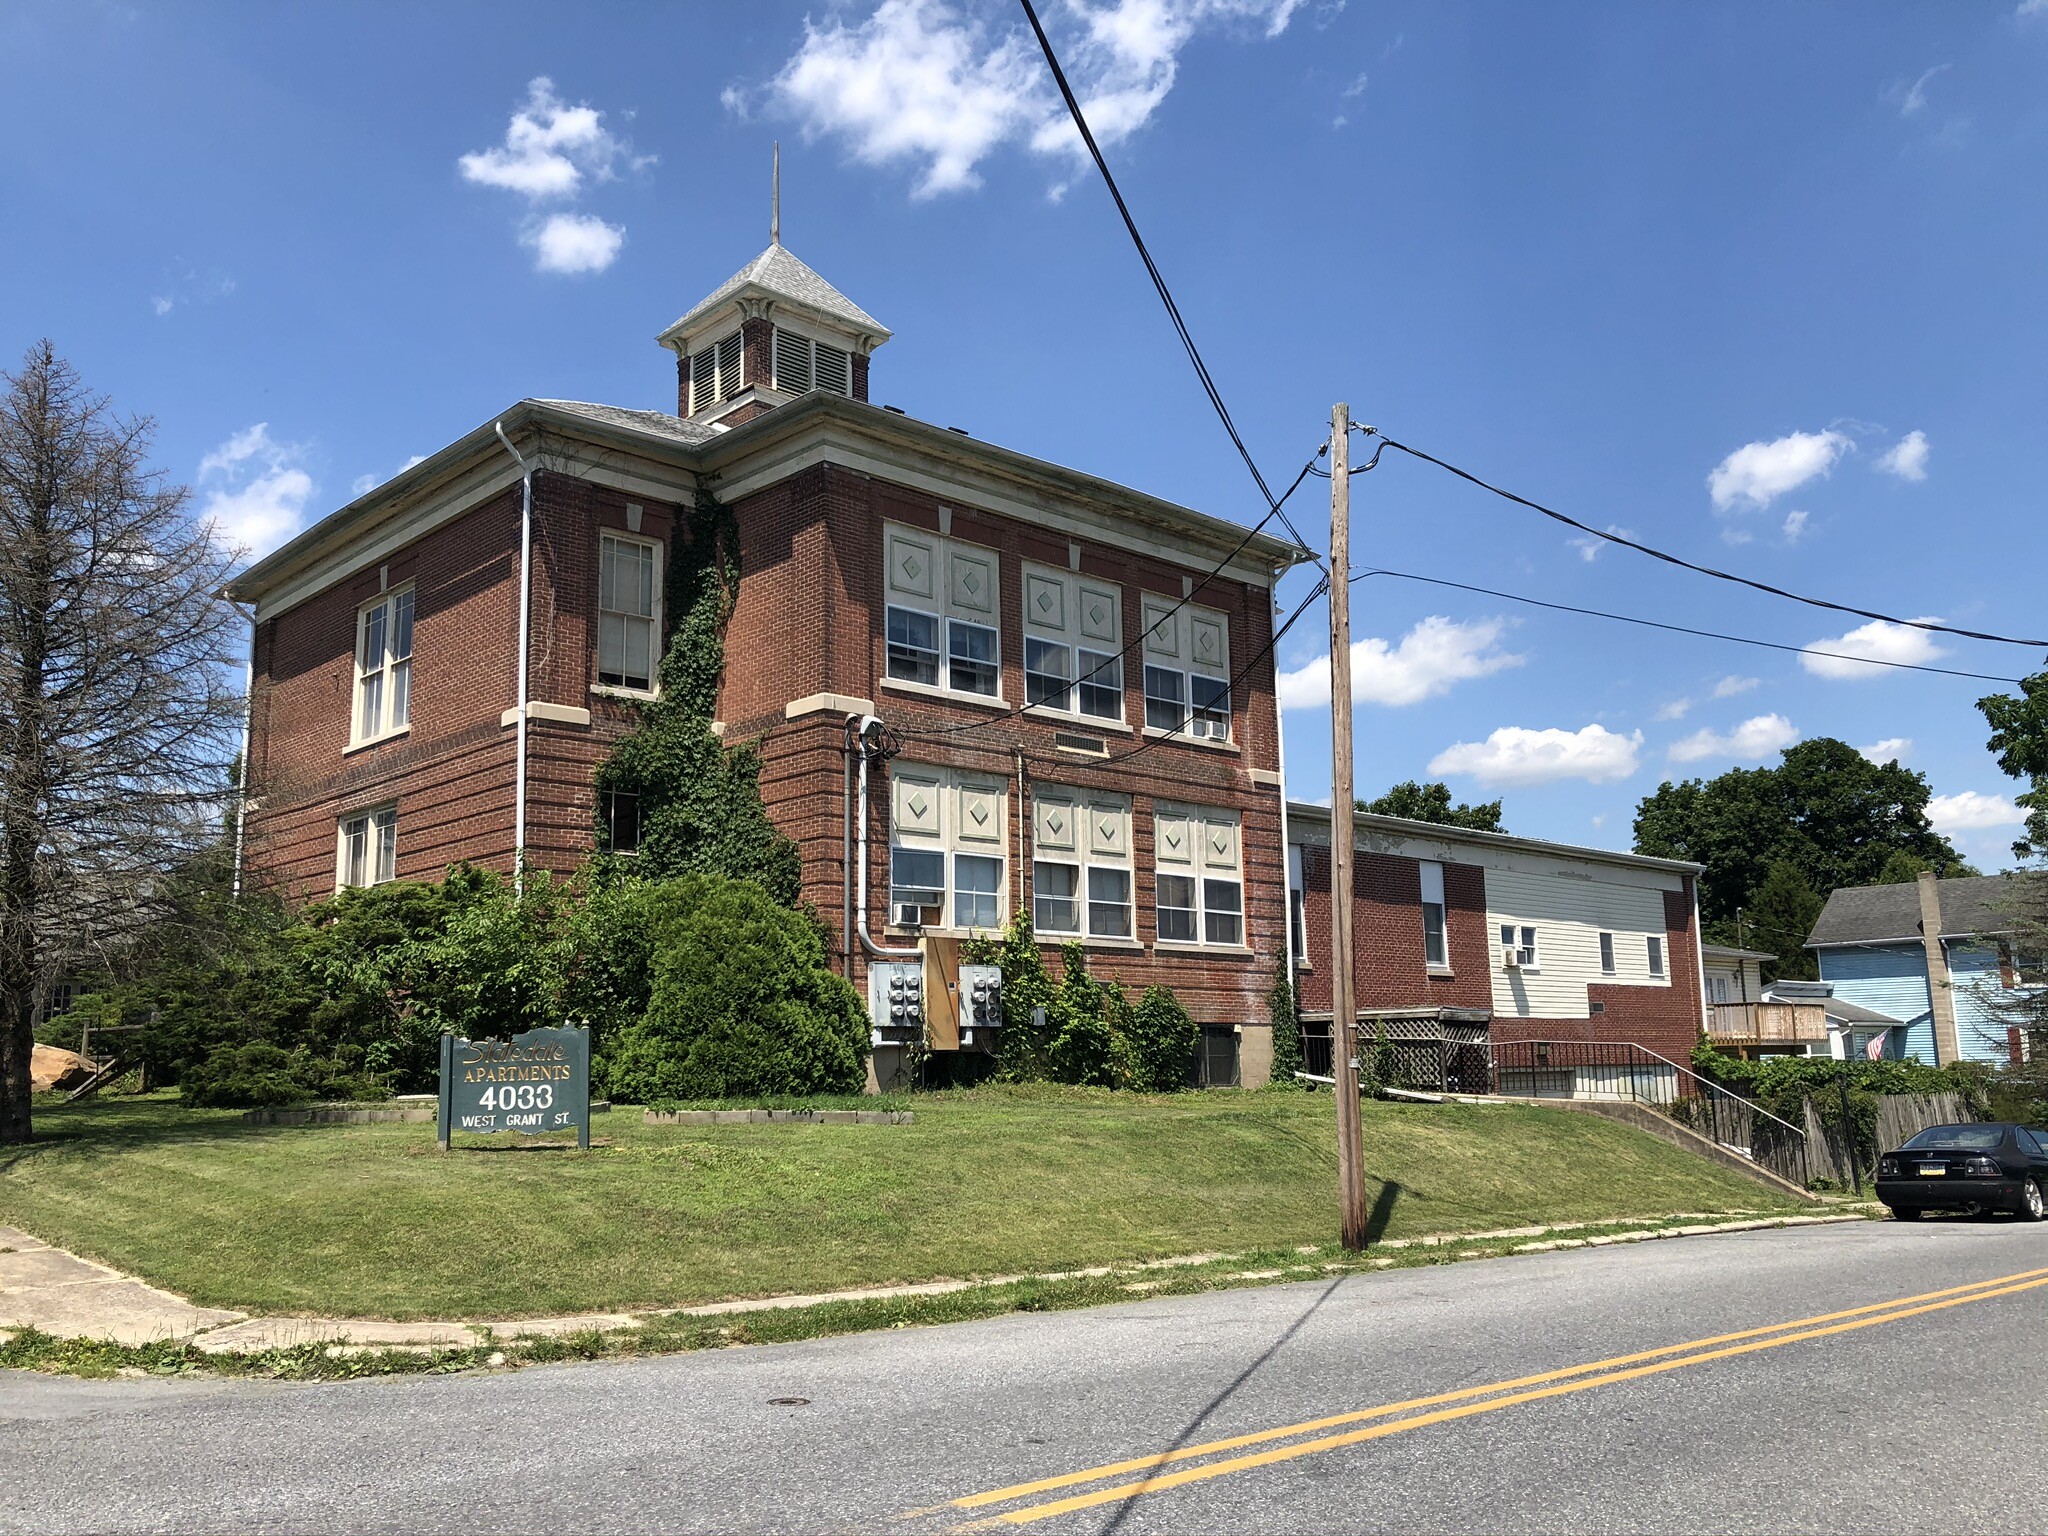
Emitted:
<point x="1213" y="730"/>
<point x="908" y="914"/>
<point x="1511" y="959"/>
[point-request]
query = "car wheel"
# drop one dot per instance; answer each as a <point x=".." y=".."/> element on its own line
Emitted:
<point x="2032" y="1206"/>
<point x="1905" y="1213"/>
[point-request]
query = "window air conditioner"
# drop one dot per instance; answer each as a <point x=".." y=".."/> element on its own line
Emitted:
<point x="909" y="915"/>
<point x="1511" y="959"/>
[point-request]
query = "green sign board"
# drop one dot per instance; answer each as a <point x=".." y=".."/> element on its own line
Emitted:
<point x="535" y="1082"/>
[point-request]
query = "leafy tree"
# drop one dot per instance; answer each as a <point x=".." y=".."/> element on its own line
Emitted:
<point x="1779" y="918"/>
<point x="1903" y="868"/>
<point x="1834" y="815"/>
<point x="119" y="698"/>
<point x="1164" y="1039"/>
<point x="2019" y="738"/>
<point x="743" y="1004"/>
<point x="1083" y="1051"/>
<point x="1432" y="802"/>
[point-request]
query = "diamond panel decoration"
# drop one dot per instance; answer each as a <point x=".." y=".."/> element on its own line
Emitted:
<point x="1098" y="614"/>
<point x="981" y="819"/>
<point x="917" y="806"/>
<point x="1162" y="631"/>
<point x="1220" y="845"/>
<point x="1045" y="602"/>
<point x="1106" y="834"/>
<point x="1055" y="828"/>
<point x="1174" y="844"/>
<point x="1209" y="642"/>
<point x="910" y="565"/>
<point x="973" y="581"/>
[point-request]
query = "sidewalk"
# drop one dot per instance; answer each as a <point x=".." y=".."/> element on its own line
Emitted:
<point x="59" y="1293"/>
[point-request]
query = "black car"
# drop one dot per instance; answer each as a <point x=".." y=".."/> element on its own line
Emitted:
<point x="1989" y="1167"/>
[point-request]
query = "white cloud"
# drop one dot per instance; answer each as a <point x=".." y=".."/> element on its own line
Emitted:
<point x="1733" y="684"/>
<point x="1795" y="526"/>
<point x="1891" y="749"/>
<point x="1589" y="545"/>
<point x="1907" y="458"/>
<point x="256" y="491"/>
<point x="928" y="83"/>
<point x="1356" y="88"/>
<point x="1753" y="741"/>
<point x="2032" y="8"/>
<point x="1516" y="755"/>
<point x="1971" y="811"/>
<point x="1914" y="100"/>
<point x="574" y="242"/>
<point x="162" y="305"/>
<point x="1429" y="660"/>
<point x="549" y="148"/>
<point x="1876" y="641"/>
<point x="1757" y="474"/>
<point x="1675" y="710"/>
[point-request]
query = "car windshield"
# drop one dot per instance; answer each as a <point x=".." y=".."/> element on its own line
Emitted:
<point x="1958" y="1138"/>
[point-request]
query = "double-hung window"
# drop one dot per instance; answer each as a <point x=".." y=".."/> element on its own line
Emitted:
<point x="1073" y="644"/>
<point x="1436" y="944"/>
<point x="1187" y="670"/>
<point x="946" y="849"/>
<point x="941" y="624"/>
<point x="1081" y="863"/>
<point x="383" y="703"/>
<point x="1297" y="905"/>
<point x="1607" y="954"/>
<point x="368" y="853"/>
<point x="628" y="612"/>
<point x="1655" y="944"/>
<point x="1198" y="882"/>
<point x="1522" y="943"/>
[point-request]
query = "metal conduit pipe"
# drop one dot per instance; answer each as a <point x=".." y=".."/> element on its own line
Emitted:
<point x="525" y="640"/>
<point x="867" y="731"/>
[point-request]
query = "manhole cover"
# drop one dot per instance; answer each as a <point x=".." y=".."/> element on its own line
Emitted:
<point x="789" y="1402"/>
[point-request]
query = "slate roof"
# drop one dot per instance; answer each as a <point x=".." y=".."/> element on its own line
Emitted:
<point x="1872" y="914"/>
<point x="781" y="274"/>
<point x="660" y="423"/>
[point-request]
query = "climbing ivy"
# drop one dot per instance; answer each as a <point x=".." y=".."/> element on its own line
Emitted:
<point x="699" y="800"/>
<point x="1280" y="1009"/>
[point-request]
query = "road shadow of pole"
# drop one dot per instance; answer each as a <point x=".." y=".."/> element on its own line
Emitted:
<point x="1188" y="1433"/>
<point x="1382" y="1211"/>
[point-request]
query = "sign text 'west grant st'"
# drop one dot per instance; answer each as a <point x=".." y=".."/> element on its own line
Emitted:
<point x="532" y="1083"/>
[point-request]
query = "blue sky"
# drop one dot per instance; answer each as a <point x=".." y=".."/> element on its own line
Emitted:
<point x="1760" y="284"/>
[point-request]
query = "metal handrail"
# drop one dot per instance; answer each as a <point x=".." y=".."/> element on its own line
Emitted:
<point x="1710" y="1087"/>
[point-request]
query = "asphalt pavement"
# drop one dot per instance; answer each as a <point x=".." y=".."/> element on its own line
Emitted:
<point x="1647" y="1388"/>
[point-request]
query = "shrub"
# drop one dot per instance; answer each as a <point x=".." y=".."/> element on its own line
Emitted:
<point x="1165" y="1038"/>
<point x="1084" y="1049"/>
<point x="741" y="1003"/>
<point x="1287" y="1058"/>
<point x="261" y="1076"/>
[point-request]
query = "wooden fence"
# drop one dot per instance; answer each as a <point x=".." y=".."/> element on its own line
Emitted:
<point x="1899" y="1116"/>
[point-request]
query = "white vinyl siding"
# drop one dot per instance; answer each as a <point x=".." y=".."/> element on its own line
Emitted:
<point x="947" y="847"/>
<point x="942" y="616"/>
<point x="1572" y="907"/>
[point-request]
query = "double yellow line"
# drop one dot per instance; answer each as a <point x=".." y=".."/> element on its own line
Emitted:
<point x="1437" y="1409"/>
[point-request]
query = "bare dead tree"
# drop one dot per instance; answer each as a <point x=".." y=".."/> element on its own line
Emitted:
<point x="119" y="690"/>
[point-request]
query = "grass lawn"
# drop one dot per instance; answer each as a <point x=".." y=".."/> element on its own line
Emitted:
<point x="374" y="1221"/>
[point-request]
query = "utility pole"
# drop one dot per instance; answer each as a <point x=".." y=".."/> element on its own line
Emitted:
<point x="1343" y="1002"/>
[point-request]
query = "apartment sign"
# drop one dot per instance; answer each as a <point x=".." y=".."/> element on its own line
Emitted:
<point x="532" y="1083"/>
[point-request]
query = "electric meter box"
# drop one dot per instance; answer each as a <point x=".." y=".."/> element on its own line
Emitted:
<point x="896" y="1013"/>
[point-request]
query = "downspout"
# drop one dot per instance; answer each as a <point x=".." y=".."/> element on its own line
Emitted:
<point x="242" y="787"/>
<point x="525" y="640"/>
<point x="1699" y="954"/>
<point x="847" y="748"/>
<point x="861" y="726"/>
<point x="1286" y="847"/>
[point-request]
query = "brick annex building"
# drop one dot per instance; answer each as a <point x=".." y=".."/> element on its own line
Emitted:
<point x="1082" y="715"/>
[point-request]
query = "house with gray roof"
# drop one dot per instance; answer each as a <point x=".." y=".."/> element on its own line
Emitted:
<point x="1934" y="956"/>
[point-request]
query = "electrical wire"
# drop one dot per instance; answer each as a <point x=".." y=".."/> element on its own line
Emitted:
<point x="1683" y="629"/>
<point x="1180" y="326"/>
<point x="1322" y="585"/>
<point x="1704" y="570"/>
<point x="939" y="733"/>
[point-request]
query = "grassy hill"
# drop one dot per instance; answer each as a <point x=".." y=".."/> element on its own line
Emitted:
<point x="374" y="1221"/>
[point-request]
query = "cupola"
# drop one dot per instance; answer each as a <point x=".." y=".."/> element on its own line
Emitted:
<point x="770" y="332"/>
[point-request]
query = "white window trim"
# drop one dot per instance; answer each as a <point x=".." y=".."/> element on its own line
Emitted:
<point x="1070" y="639"/>
<point x="619" y="690"/>
<point x="1654" y="949"/>
<point x="1531" y="937"/>
<point x="949" y="845"/>
<point x="369" y="815"/>
<point x="1609" y="963"/>
<point x="1443" y="907"/>
<point x="1183" y="617"/>
<point x="1082" y="802"/>
<point x="357" y="737"/>
<point x="944" y="613"/>
<point x="1199" y="870"/>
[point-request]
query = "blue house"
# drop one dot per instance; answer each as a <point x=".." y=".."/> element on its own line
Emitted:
<point x="1932" y="955"/>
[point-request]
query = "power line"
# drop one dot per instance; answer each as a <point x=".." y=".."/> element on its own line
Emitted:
<point x="1703" y="570"/>
<point x="940" y="732"/>
<point x="1683" y="629"/>
<point x="1180" y="327"/>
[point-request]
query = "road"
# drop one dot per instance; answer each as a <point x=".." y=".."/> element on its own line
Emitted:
<point x="1883" y="1414"/>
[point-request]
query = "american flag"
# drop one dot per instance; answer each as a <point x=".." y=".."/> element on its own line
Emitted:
<point x="1875" y="1049"/>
